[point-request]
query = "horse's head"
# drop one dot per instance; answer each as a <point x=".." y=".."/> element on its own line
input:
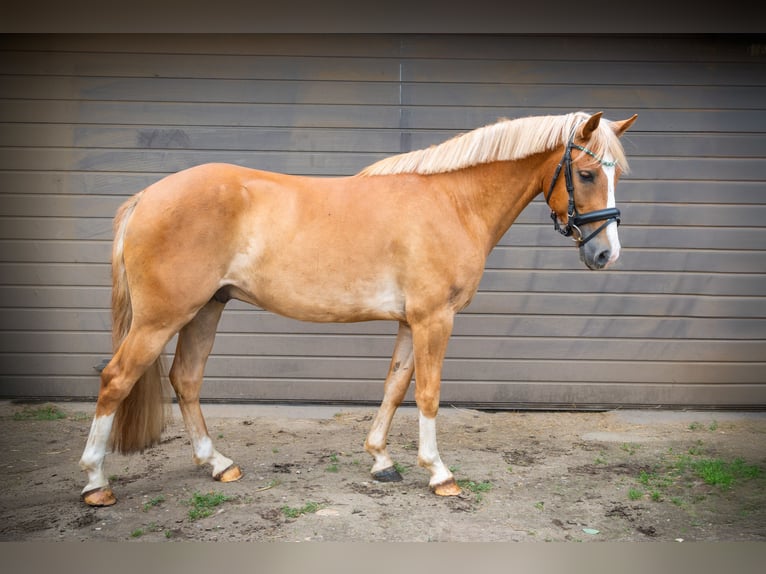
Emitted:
<point x="581" y="191"/>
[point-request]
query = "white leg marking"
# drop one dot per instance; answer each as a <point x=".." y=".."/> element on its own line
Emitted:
<point x="611" y="229"/>
<point x="428" y="453"/>
<point x="92" y="460"/>
<point x="205" y="453"/>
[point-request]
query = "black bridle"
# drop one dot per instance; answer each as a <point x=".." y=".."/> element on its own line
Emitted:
<point x="575" y="219"/>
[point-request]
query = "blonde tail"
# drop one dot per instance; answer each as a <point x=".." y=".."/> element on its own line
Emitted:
<point x="141" y="416"/>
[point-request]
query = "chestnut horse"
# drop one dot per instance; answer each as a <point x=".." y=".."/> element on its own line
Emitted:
<point x="406" y="239"/>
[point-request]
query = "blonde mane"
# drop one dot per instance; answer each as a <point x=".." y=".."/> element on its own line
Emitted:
<point x="502" y="141"/>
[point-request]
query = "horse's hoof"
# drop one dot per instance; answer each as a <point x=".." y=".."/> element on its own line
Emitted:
<point x="231" y="474"/>
<point x="389" y="474"/>
<point x="102" y="496"/>
<point x="446" y="488"/>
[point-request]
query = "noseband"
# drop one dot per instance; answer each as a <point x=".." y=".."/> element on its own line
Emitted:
<point x="575" y="219"/>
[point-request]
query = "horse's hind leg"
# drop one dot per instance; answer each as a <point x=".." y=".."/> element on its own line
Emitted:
<point x="397" y="381"/>
<point x="141" y="347"/>
<point x="195" y="341"/>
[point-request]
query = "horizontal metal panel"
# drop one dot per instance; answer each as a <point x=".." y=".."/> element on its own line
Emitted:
<point x="305" y="163"/>
<point x="64" y="228"/>
<point x="42" y="251"/>
<point x="180" y="114"/>
<point x="361" y="45"/>
<point x="624" y="282"/>
<point x="252" y="138"/>
<point x="512" y="70"/>
<point x="554" y="71"/>
<point x="251" y="91"/>
<point x="506" y="93"/>
<point x="601" y="48"/>
<point x="246" y="91"/>
<point x="618" y="304"/>
<point x="226" y="66"/>
<point x="652" y="119"/>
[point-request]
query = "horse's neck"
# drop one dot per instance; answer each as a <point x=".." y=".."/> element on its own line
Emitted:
<point x="493" y="195"/>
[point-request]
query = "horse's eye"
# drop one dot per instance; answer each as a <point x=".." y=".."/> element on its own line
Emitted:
<point x="585" y="175"/>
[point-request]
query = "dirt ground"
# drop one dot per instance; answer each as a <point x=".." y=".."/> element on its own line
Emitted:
<point x="527" y="476"/>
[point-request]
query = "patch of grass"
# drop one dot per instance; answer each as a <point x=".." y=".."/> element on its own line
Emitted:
<point x="630" y="448"/>
<point x="678" y="479"/>
<point x="152" y="502"/>
<point x="478" y="488"/>
<point x="484" y="486"/>
<point x="696" y="426"/>
<point x="540" y="505"/>
<point x="696" y="450"/>
<point x="635" y="493"/>
<point x="717" y="472"/>
<point x="334" y="460"/>
<point x="154" y="527"/>
<point x="400" y="468"/>
<point x="41" y="413"/>
<point x="296" y="511"/>
<point x="202" y="505"/>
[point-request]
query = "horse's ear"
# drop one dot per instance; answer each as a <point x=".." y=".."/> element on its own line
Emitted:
<point x="590" y="126"/>
<point x="620" y="128"/>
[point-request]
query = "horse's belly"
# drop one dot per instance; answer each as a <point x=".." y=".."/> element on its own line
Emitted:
<point x="322" y="298"/>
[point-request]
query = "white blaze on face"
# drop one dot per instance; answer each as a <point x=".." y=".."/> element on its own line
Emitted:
<point x="611" y="229"/>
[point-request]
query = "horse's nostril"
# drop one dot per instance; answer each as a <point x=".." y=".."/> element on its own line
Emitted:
<point x="603" y="258"/>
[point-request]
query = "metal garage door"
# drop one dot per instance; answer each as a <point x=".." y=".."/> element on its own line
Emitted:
<point x="86" y="121"/>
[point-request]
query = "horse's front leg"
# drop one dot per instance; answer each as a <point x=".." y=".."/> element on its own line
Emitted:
<point x="195" y="341"/>
<point x="430" y="338"/>
<point x="397" y="382"/>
